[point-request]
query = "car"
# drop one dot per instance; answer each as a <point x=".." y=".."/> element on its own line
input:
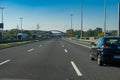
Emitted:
<point x="105" y="50"/>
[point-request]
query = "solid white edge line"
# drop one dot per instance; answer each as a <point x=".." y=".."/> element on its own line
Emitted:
<point x="81" y="44"/>
<point x="4" y="62"/>
<point x="78" y="44"/>
<point x="66" y="50"/>
<point x="30" y="50"/>
<point x="76" y="69"/>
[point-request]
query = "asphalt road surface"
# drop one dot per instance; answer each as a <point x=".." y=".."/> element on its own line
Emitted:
<point x="52" y="60"/>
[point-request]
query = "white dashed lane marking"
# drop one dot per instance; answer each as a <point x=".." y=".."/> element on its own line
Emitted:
<point x="76" y="69"/>
<point x="65" y="50"/>
<point x="30" y="50"/>
<point x="4" y="62"/>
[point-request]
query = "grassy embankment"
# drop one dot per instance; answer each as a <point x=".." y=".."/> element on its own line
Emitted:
<point x="4" y="45"/>
<point x="81" y="41"/>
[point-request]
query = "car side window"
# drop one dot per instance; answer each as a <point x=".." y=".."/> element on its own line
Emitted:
<point x="99" y="42"/>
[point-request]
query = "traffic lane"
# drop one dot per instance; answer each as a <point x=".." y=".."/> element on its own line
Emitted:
<point x="13" y="52"/>
<point x="20" y="50"/>
<point x="17" y="51"/>
<point x="24" y="58"/>
<point x="25" y="46"/>
<point x="58" y="66"/>
<point x="47" y="63"/>
<point x="89" y="68"/>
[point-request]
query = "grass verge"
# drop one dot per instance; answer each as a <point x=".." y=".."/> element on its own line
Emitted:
<point x="4" y="45"/>
<point x="81" y="41"/>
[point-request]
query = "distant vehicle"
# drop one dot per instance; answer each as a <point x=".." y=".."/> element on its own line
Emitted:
<point x="22" y="36"/>
<point x="106" y="50"/>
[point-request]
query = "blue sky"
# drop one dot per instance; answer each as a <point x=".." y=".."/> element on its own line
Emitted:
<point x="55" y="14"/>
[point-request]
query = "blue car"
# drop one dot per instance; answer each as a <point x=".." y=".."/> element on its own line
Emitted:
<point x="105" y="50"/>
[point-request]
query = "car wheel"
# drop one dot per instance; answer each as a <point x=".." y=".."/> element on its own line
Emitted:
<point x="99" y="61"/>
<point x="91" y="57"/>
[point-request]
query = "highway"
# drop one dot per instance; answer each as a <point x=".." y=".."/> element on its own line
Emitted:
<point x="53" y="60"/>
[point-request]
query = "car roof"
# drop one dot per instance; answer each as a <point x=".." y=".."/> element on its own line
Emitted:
<point x="111" y="37"/>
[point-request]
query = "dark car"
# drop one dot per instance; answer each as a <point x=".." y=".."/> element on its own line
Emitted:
<point x="106" y="50"/>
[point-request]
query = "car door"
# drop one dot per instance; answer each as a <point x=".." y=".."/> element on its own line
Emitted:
<point x="96" y="47"/>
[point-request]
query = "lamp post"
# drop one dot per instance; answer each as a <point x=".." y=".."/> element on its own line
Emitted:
<point x="71" y="24"/>
<point x="2" y="8"/>
<point x="21" y="18"/>
<point x="119" y="19"/>
<point x="38" y="27"/>
<point x="81" y="19"/>
<point x="104" y="17"/>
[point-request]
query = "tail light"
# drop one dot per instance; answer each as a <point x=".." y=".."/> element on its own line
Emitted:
<point x="104" y="46"/>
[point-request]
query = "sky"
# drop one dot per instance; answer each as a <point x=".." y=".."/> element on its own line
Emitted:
<point x="55" y="14"/>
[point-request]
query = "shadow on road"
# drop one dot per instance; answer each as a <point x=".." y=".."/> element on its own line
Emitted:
<point x="114" y="65"/>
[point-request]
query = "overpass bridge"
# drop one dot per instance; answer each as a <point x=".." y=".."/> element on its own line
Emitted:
<point x="51" y="34"/>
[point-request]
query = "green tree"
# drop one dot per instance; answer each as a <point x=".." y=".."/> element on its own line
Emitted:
<point x="69" y="32"/>
<point x="90" y="33"/>
<point x="97" y="31"/>
<point x="11" y="34"/>
<point x="114" y="33"/>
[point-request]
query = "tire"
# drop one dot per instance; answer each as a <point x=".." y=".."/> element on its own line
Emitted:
<point x="91" y="57"/>
<point x="99" y="61"/>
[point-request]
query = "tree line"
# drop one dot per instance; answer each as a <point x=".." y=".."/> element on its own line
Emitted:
<point x="12" y="34"/>
<point x="98" y="32"/>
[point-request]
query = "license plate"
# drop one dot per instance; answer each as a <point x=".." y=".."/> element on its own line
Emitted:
<point x="116" y="57"/>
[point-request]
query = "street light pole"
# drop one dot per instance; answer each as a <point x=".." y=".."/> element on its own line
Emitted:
<point x="81" y="20"/>
<point x="2" y="8"/>
<point x="119" y="19"/>
<point x="38" y="27"/>
<point x="21" y="18"/>
<point x="104" y="17"/>
<point x="71" y="24"/>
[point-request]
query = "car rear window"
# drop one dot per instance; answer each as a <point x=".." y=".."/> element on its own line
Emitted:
<point x="113" y="41"/>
